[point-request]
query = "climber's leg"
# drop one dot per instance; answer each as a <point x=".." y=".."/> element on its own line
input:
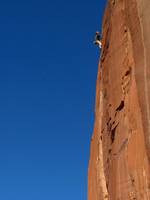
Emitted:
<point x="99" y="43"/>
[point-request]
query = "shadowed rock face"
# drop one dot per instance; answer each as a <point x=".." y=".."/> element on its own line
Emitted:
<point x="119" y="166"/>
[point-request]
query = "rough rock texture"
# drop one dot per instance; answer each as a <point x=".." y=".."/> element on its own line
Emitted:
<point x="119" y="166"/>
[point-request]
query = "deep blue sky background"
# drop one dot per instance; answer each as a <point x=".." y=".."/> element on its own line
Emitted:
<point x="48" y="68"/>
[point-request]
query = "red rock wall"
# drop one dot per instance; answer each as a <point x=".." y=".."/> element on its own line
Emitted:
<point x="120" y="147"/>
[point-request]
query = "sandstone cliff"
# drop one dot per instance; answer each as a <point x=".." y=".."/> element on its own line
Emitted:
<point x="119" y="166"/>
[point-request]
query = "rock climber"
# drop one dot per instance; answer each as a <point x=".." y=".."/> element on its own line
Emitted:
<point x="98" y="39"/>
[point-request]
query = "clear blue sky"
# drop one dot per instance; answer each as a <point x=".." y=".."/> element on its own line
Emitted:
<point x="48" y="68"/>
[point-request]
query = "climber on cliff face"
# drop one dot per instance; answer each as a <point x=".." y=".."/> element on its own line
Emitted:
<point x="98" y="39"/>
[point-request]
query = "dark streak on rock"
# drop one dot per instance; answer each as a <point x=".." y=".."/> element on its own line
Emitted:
<point x="121" y="106"/>
<point x="113" y="132"/>
<point x="128" y="72"/>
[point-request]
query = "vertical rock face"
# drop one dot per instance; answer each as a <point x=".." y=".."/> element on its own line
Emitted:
<point x="119" y="166"/>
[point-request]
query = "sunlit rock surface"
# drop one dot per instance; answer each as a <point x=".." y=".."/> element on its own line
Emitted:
<point x="119" y="166"/>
